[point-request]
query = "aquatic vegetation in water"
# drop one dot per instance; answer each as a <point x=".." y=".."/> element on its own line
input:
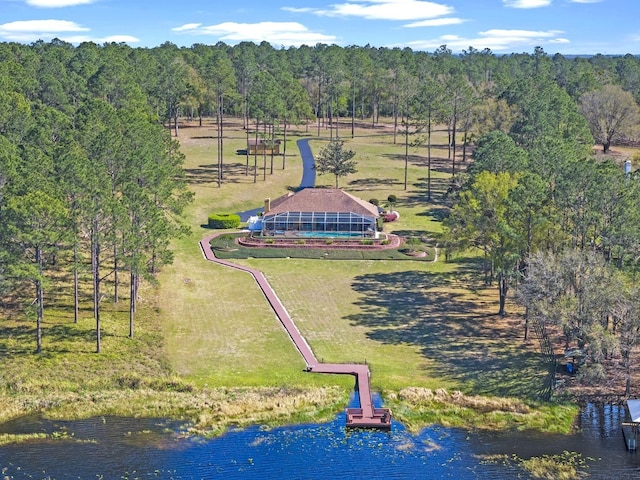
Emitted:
<point x="10" y="438"/>
<point x="418" y="407"/>
<point x="6" y="438"/>
<point x="566" y="466"/>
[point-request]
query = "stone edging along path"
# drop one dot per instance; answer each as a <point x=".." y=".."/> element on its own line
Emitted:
<point x="366" y="416"/>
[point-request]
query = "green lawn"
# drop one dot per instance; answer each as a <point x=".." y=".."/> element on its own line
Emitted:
<point x="416" y="323"/>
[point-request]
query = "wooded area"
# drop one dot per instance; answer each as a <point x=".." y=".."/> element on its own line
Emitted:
<point x="91" y="178"/>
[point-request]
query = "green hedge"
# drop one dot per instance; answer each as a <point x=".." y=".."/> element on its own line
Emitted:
<point x="224" y="220"/>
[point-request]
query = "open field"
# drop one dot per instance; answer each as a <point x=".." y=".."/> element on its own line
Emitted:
<point x="415" y="323"/>
<point x="205" y="330"/>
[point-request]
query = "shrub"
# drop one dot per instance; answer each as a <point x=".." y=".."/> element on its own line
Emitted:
<point x="591" y="374"/>
<point x="414" y="241"/>
<point x="391" y="202"/>
<point x="374" y="201"/>
<point x="224" y="220"/>
<point x="366" y="241"/>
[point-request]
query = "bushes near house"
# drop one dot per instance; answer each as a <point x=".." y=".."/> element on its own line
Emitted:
<point x="224" y="220"/>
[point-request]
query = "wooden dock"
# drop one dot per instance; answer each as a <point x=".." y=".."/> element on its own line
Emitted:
<point x="367" y="416"/>
<point x="364" y="417"/>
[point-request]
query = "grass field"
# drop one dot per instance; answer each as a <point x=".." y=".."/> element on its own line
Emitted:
<point x="205" y="329"/>
<point x="416" y="323"/>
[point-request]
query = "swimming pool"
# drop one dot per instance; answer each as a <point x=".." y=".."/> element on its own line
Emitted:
<point x="330" y="234"/>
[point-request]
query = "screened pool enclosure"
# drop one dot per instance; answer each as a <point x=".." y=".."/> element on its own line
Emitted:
<point x="321" y="224"/>
<point x="320" y="212"/>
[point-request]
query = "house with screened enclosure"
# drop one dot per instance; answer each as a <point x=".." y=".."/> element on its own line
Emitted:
<point x="320" y="212"/>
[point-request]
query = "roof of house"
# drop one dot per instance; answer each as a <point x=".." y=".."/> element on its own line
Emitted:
<point x="322" y="200"/>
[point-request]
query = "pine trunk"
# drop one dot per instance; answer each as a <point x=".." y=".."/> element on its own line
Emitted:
<point x="246" y="167"/>
<point x="503" y="285"/>
<point x="39" y="300"/>
<point x="284" y="146"/>
<point x="255" y="155"/>
<point x="76" y="286"/>
<point x="132" y="302"/>
<point x="116" y="276"/>
<point x="95" y="267"/>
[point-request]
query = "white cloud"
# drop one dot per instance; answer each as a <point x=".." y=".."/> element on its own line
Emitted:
<point x="518" y="34"/>
<point x="298" y="10"/>
<point x="57" y="3"/>
<point x="436" y="22"/>
<point x="498" y="40"/>
<point x="186" y="27"/>
<point x="30" y="26"/>
<point x="276" y="33"/>
<point x="382" y="10"/>
<point x="33" y="30"/>
<point x="108" y="39"/>
<point x="526" y="3"/>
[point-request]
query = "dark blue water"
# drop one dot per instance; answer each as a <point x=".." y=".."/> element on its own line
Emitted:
<point x="117" y="448"/>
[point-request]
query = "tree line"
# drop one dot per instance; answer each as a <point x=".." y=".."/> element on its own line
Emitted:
<point x="556" y="223"/>
<point x="91" y="183"/>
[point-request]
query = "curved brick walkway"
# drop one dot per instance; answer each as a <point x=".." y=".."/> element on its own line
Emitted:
<point x="366" y="415"/>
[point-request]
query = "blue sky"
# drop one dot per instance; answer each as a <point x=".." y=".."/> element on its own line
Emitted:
<point x="504" y="26"/>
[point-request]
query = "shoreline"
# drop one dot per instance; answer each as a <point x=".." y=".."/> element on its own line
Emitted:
<point x="211" y="412"/>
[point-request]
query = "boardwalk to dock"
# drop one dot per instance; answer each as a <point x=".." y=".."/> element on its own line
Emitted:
<point x="365" y="416"/>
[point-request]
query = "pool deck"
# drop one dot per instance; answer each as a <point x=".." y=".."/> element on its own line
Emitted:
<point x="364" y="417"/>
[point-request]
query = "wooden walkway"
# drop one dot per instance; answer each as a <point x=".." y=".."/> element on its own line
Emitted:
<point x="366" y="416"/>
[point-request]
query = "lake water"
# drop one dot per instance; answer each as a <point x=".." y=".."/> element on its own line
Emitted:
<point x="123" y="448"/>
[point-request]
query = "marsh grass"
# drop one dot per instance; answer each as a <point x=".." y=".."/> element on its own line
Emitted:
<point x="205" y="412"/>
<point x="7" y="439"/>
<point x="419" y="407"/>
<point x="566" y="466"/>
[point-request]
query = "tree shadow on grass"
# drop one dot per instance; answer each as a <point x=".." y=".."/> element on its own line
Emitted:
<point x="64" y="333"/>
<point x="231" y="173"/>
<point x="22" y="338"/>
<point x="422" y="234"/>
<point x="382" y="183"/>
<point x="438" y="164"/>
<point x="202" y="174"/>
<point x="441" y="314"/>
<point x="417" y="196"/>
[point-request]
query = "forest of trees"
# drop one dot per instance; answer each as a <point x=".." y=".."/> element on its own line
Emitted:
<point x="91" y="179"/>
